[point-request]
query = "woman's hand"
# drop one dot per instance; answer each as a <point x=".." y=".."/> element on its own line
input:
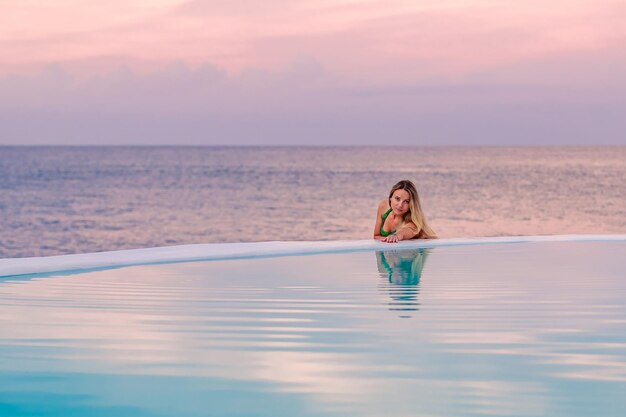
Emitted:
<point x="394" y="238"/>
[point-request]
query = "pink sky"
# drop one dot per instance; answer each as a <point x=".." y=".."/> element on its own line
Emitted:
<point x="309" y="55"/>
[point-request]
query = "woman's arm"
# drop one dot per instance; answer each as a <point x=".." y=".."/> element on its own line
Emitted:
<point x="379" y="219"/>
<point x="406" y="232"/>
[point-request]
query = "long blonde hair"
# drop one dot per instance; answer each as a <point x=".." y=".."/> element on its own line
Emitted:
<point x="415" y="213"/>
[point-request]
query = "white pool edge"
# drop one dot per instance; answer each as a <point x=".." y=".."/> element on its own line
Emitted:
<point x="222" y="251"/>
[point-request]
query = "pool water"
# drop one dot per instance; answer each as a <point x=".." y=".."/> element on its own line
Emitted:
<point x="525" y="329"/>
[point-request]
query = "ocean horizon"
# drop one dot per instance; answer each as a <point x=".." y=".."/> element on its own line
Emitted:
<point x="77" y="199"/>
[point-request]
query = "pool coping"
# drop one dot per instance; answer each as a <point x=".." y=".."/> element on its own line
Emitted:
<point x="223" y="251"/>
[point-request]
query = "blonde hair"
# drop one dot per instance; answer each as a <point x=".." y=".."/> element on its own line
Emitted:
<point x="415" y="213"/>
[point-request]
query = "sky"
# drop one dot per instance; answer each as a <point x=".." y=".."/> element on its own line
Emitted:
<point x="313" y="72"/>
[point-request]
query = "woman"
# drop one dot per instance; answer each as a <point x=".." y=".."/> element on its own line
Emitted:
<point x="401" y="217"/>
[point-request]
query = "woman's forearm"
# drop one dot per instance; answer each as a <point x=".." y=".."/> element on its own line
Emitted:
<point x="406" y="233"/>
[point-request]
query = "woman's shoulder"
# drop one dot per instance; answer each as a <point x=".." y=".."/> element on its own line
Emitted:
<point x="383" y="206"/>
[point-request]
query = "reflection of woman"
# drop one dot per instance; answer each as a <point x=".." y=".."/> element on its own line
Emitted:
<point x="400" y="217"/>
<point x="403" y="270"/>
<point x="402" y="267"/>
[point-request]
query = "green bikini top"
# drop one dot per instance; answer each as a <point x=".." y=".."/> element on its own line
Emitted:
<point x="383" y="232"/>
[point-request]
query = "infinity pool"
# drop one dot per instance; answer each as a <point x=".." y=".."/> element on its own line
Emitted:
<point x="524" y="329"/>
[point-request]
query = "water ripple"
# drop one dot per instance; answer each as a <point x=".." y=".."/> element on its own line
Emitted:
<point x="451" y="331"/>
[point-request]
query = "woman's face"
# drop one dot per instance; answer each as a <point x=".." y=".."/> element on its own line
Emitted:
<point x="400" y="202"/>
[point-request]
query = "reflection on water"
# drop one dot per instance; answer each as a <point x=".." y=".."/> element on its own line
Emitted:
<point x="502" y="330"/>
<point x="401" y="271"/>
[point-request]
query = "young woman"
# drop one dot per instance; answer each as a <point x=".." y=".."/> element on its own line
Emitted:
<point x="401" y="217"/>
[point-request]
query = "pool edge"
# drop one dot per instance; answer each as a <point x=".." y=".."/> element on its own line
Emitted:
<point x="222" y="251"/>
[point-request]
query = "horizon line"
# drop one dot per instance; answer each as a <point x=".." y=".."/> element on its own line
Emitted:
<point x="183" y="145"/>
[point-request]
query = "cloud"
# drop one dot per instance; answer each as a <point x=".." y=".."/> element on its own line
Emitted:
<point x="245" y="8"/>
<point x="302" y="104"/>
<point x="403" y="38"/>
<point x="314" y="72"/>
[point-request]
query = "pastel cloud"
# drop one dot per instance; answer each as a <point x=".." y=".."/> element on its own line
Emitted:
<point x="313" y="67"/>
<point x="449" y="37"/>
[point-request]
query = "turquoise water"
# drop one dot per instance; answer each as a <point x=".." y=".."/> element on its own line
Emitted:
<point x="525" y="329"/>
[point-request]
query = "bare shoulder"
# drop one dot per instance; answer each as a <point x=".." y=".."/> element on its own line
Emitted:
<point x="383" y="206"/>
<point x="410" y="228"/>
<point x="409" y="224"/>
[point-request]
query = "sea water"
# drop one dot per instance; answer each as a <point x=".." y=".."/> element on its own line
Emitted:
<point x="59" y="200"/>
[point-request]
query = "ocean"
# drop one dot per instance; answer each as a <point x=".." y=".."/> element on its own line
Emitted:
<point x="61" y="200"/>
